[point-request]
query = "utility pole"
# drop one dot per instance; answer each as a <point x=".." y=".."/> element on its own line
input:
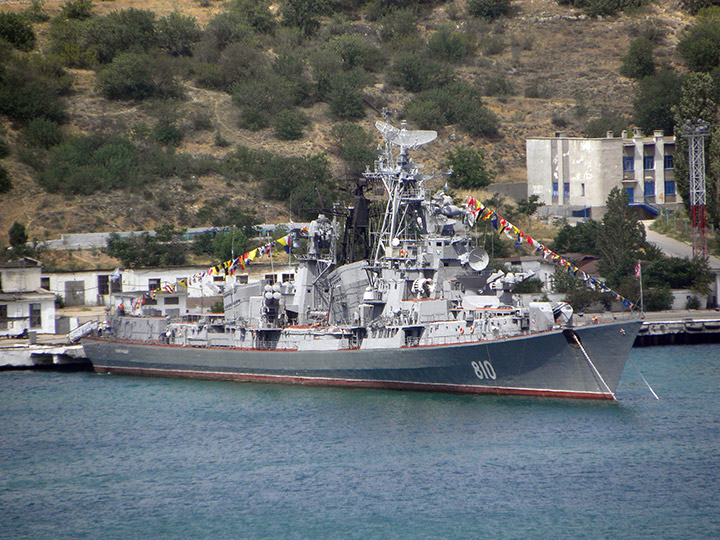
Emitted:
<point x="695" y="133"/>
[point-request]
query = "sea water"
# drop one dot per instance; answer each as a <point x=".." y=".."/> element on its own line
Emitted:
<point x="105" y="456"/>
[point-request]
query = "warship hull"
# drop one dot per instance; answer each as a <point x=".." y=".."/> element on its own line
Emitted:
<point x="549" y="364"/>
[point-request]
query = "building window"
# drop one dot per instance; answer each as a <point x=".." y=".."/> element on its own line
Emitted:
<point x="649" y="163"/>
<point x="566" y="190"/>
<point x="153" y="284"/>
<point x="669" y="187"/>
<point x="628" y="163"/>
<point x="45" y="283"/>
<point x="649" y="189"/>
<point x="103" y="285"/>
<point x="172" y="301"/>
<point x="669" y="162"/>
<point x="555" y="190"/>
<point x="582" y="190"/>
<point x="35" y="316"/>
<point x="3" y="317"/>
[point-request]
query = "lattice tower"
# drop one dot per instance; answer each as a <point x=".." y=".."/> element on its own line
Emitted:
<point x="695" y="133"/>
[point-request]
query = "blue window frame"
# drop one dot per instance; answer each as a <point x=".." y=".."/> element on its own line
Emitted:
<point x="669" y="162"/>
<point x="555" y="189"/>
<point x="566" y="190"/>
<point x="669" y="187"/>
<point x="649" y="189"/>
<point x="631" y="193"/>
<point x="649" y="163"/>
<point x="628" y="163"/>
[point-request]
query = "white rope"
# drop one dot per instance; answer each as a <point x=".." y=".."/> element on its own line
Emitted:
<point x="643" y="378"/>
<point x="593" y="366"/>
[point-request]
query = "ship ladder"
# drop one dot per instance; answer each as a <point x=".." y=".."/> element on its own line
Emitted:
<point x="597" y="373"/>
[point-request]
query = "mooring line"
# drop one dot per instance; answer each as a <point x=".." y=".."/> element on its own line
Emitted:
<point x="593" y="366"/>
<point x="643" y="378"/>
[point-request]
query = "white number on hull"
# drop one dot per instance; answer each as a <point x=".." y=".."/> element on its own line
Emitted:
<point x="484" y="370"/>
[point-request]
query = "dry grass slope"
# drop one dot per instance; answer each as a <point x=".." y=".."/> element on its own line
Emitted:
<point x="573" y="58"/>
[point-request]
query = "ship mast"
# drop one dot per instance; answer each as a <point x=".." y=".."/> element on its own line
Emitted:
<point x="404" y="218"/>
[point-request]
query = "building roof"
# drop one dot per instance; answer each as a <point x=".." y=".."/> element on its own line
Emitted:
<point x="25" y="262"/>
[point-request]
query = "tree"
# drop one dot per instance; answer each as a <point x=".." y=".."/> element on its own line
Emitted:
<point x="582" y="238"/>
<point x="700" y="45"/>
<point x="469" y="168"/>
<point x="621" y="238"/>
<point x="529" y="206"/>
<point x="654" y="99"/>
<point x="639" y="61"/>
<point x="18" y="235"/>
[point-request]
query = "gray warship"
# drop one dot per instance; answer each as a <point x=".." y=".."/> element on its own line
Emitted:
<point x="420" y="310"/>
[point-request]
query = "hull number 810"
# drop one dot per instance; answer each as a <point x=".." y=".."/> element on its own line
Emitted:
<point x="484" y="370"/>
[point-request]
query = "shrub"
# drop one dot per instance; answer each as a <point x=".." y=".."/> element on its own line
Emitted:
<point x="5" y="181"/>
<point x="127" y="30"/>
<point x="345" y="97"/>
<point x="498" y="86"/>
<point x="356" y="145"/>
<point x="303" y="14"/>
<point x="415" y="73"/>
<point x="456" y="103"/>
<point x="261" y="99"/>
<point x="493" y="45"/>
<point x="304" y="182"/>
<point x="289" y="124"/>
<point x="450" y="45"/>
<point x="536" y="90"/>
<point x="355" y="51"/>
<point x="488" y="9"/>
<point x="399" y="26"/>
<point x="166" y="133"/>
<point x="639" y="61"/>
<point x="68" y="44"/>
<point x="176" y="33"/>
<point x="4" y="148"/>
<point x="597" y="8"/>
<point x="42" y="133"/>
<point x="694" y="6"/>
<point x="129" y="76"/>
<point x="36" y="12"/>
<point x="17" y="31"/>
<point x="31" y="86"/>
<point x="76" y="9"/>
<point x="657" y="299"/>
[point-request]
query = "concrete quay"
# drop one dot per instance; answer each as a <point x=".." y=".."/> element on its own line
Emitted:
<point x="679" y="328"/>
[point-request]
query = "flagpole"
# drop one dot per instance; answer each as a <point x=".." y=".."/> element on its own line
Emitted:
<point x="642" y="304"/>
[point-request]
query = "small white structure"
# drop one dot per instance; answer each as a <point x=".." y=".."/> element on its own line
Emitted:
<point x="24" y="306"/>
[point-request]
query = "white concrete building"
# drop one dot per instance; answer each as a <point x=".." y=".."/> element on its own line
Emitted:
<point x="573" y="176"/>
<point x="24" y="306"/>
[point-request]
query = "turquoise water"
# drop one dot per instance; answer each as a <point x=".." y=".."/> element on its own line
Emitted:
<point x="102" y="456"/>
